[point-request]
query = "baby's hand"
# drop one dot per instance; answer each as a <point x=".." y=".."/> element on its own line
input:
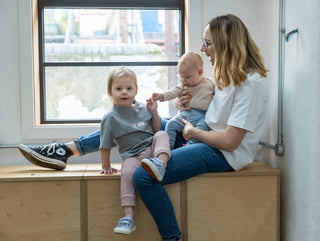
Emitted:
<point x="108" y="170"/>
<point x="157" y="96"/>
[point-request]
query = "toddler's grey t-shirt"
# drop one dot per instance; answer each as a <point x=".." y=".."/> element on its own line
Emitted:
<point x="130" y="128"/>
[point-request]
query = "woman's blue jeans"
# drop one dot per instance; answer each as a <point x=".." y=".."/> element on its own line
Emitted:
<point x="185" y="162"/>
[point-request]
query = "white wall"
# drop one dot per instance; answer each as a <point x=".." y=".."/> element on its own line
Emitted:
<point x="9" y="80"/>
<point x="300" y="192"/>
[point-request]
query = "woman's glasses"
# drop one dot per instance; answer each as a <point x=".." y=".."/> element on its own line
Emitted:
<point x="206" y="43"/>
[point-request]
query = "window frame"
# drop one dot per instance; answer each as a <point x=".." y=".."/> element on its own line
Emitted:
<point x="126" y="4"/>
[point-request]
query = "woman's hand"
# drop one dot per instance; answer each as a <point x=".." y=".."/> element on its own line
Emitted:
<point x="187" y="130"/>
<point x="227" y="140"/>
<point x="182" y="102"/>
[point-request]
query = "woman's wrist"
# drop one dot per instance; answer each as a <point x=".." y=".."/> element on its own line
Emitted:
<point x="192" y="132"/>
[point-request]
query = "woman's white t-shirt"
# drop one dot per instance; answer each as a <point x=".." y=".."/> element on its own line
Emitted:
<point x="245" y="107"/>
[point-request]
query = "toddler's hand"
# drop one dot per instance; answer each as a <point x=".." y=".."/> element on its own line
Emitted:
<point x="108" y="170"/>
<point x="152" y="105"/>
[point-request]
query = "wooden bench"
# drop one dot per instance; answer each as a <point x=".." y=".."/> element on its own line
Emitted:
<point x="80" y="204"/>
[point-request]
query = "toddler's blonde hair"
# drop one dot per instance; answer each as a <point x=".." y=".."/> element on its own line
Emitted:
<point x="117" y="73"/>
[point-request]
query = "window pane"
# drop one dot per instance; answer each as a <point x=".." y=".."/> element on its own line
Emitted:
<point x="102" y="35"/>
<point x="77" y="93"/>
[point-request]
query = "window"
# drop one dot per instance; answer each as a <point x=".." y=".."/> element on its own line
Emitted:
<point x="81" y="41"/>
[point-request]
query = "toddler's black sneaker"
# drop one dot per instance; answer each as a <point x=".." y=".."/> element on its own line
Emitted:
<point x="52" y="156"/>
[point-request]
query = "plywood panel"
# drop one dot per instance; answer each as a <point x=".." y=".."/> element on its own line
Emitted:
<point x="40" y="211"/>
<point x="104" y="212"/>
<point x="243" y="208"/>
<point x="80" y="204"/>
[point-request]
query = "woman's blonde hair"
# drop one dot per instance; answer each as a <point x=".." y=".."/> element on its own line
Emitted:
<point x="117" y="73"/>
<point x="236" y="54"/>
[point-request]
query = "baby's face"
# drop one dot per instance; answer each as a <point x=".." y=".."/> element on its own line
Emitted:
<point x="189" y="76"/>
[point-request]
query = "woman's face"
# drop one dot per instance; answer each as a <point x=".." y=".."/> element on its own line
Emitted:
<point x="207" y="45"/>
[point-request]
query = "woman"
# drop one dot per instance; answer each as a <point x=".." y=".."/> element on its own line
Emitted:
<point x="236" y="117"/>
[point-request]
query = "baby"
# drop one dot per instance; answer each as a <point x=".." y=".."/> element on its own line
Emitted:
<point x="190" y="70"/>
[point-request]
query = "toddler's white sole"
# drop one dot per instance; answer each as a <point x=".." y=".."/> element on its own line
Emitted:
<point x="151" y="170"/>
<point x="123" y="231"/>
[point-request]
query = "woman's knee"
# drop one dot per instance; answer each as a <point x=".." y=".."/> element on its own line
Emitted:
<point x="141" y="178"/>
<point x="138" y="177"/>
